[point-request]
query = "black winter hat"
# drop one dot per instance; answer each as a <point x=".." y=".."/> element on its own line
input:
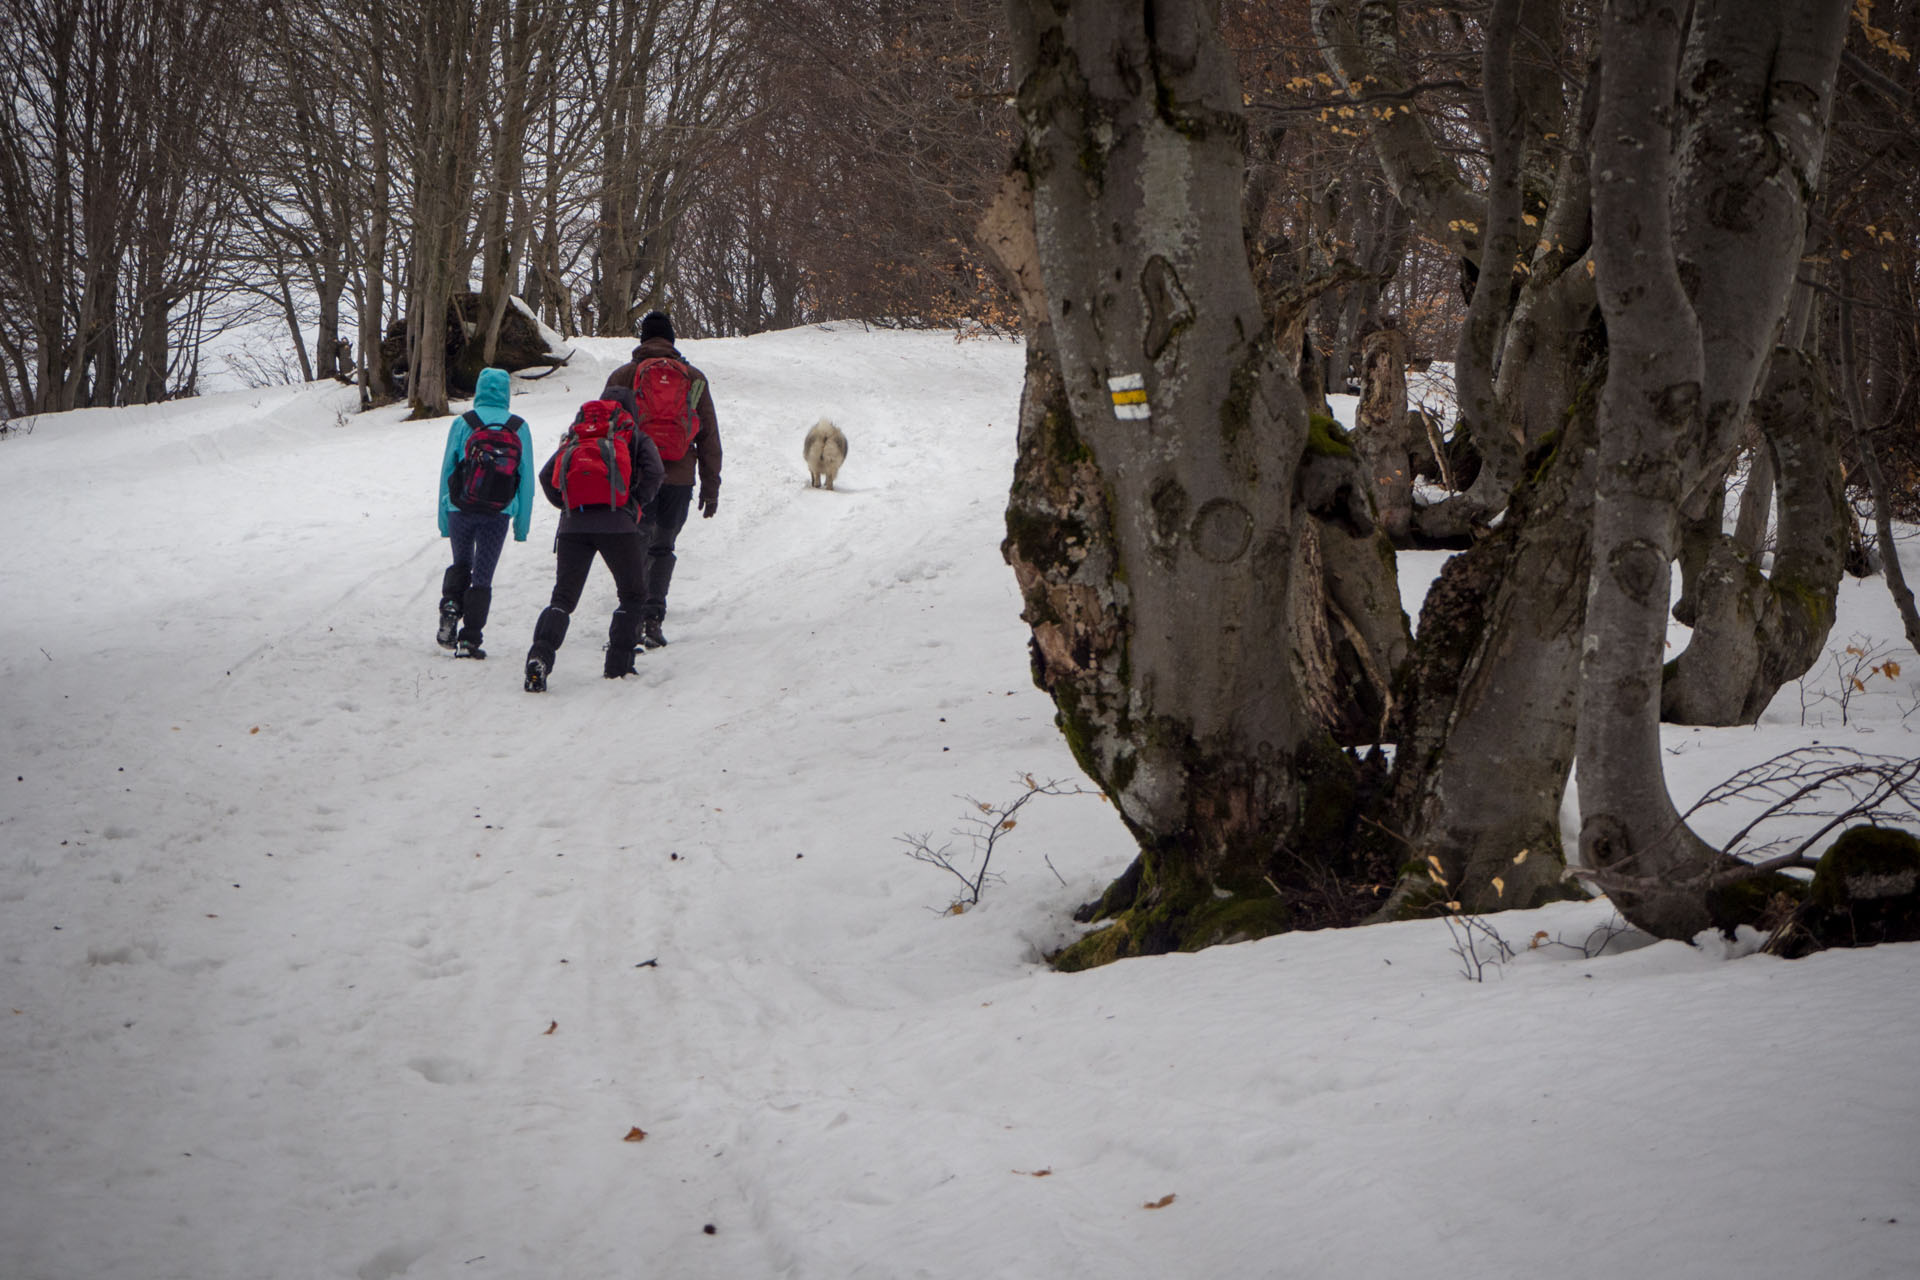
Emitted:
<point x="656" y="325"/>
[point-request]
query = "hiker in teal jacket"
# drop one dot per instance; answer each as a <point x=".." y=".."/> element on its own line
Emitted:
<point x="477" y="496"/>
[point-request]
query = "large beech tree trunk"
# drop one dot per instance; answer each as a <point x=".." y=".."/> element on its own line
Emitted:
<point x="1486" y="720"/>
<point x="1153" y="513"/>
<point x="1486" y="732"/>
<point x="1693" y="285"/>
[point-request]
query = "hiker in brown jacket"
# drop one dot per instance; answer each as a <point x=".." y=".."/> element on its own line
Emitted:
<point x="686" y="459"/>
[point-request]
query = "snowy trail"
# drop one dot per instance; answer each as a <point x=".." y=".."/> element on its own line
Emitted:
<point x="370" y="762"/>
<point x="323" y="955"/>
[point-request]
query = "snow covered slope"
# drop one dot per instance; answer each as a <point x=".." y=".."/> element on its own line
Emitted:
<point x="323" y="955"/>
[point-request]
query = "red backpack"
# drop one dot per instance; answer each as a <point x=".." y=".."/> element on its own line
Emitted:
<point x="595" y="457"/>
<point x="487" y="475"/>
<point x="669" y="397"/>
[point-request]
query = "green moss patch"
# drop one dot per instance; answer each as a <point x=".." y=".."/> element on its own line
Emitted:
<point x="1327" y="437"/>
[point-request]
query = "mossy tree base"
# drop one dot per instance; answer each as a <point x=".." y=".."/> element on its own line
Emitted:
<point x="1330" y="873"/>
<point x="1865" y="891"/>
<point x="1185" y="921"/>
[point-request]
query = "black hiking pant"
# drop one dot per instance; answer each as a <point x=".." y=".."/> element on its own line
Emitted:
<point x="573" y="552"/>
<point x="665" y="516"/>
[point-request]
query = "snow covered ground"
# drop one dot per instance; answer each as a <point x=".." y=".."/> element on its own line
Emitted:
<point x="323" y="955"/>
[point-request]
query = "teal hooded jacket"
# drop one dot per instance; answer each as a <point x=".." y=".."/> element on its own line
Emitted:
<point x="490" y="406"/>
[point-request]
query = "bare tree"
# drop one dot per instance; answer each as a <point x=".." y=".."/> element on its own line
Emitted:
<point x="448" y="77"/>
<point x="676" y="75"/>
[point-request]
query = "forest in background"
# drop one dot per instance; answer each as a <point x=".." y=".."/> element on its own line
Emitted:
<point x="172" y="170"/>
<point x="175" y="170"/>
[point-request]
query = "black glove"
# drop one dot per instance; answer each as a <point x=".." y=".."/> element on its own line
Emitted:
<point x="709" y="502"/>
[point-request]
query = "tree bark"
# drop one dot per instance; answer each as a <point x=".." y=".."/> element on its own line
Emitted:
<point x="1752" y="630"/>
<point x="1486" y="730"/>
<point x="456" y="43"/>
<point x="1153" y="514"/>
<point x="1381" y="430"/>
<point x="1692" y="290"/>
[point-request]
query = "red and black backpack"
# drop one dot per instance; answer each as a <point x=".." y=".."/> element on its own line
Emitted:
<point x="669" y="396"/>
<point x="487" y="475"/>
<point x="595" y="457"/>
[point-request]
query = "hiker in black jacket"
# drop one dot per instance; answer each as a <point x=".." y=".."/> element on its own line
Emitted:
<point x="609" y="528"/>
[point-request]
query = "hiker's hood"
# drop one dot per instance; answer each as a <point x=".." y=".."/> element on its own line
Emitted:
<point x="493" y="391"/>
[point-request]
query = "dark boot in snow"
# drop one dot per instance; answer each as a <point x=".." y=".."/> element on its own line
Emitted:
<point x="660" y="562"/>
<point x="650" y="635"/>
<point x="548" y="632"/>
<point x="621" y="639"/>
<point x="473" y="622"/>
<point x="449" y="624"/>
<point x="453" y="592"/>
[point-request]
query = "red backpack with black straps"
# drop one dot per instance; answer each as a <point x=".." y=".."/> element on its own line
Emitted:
<point x="669" y="396"/>
<point x="487" y="475"/>
<point x="595" y="457"/>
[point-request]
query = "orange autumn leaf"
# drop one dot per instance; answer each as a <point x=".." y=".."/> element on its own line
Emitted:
<point x="1161" y="1203"/>
<point x="635" y="1134"/>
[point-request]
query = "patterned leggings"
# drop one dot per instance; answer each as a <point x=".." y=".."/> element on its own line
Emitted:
<point x="477" y="540"/>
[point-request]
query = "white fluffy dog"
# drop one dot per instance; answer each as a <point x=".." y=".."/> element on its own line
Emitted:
<point x="824" y="451"/>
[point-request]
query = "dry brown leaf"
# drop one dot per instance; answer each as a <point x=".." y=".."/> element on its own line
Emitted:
<point x="635" y="1134"/>
<point x="1034" y="1173"/>
<point x="551" y="1028"/>
<point x="1161" y="1203"/>
<point x="255" y="729"/>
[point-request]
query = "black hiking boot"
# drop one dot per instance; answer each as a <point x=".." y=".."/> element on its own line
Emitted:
<point x="650" y="636"/>
<point x="536" y="676"/>
<point x="449" y="624"/>
<point x="473" y="621"/>
<point x="453" y="603"/>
